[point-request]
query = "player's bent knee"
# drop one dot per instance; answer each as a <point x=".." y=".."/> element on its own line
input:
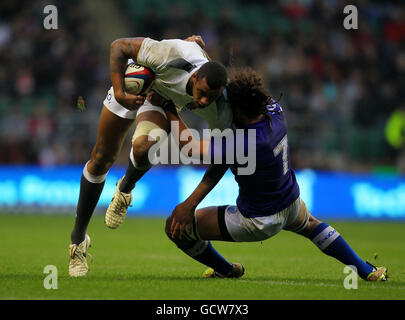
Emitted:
<point x="141" y="147"/>
<point x="149" y="131"/>
<point x="146" y="135"/>
<point x="311" y="226"/>
<point x="301" y="221"/>
<point x="168" y="233"/>
<point x="101" y="161"/>
<point x="140" y="152"/>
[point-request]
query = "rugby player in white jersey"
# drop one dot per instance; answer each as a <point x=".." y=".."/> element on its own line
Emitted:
<point x="183" y="75"/>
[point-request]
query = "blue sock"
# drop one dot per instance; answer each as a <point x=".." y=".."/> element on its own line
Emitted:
<point x="204" y="252"/>
<point x="332" y="243"/>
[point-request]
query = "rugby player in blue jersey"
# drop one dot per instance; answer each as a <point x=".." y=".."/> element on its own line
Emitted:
<point x="268" y="201"/>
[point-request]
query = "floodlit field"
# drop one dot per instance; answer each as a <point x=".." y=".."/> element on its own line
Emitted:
<point x="137" y="261"/>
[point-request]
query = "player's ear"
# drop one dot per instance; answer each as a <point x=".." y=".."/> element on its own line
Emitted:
<point x="194" y="77"/>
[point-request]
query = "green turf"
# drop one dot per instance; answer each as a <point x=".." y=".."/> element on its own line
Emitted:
<point x="137" y="261"/>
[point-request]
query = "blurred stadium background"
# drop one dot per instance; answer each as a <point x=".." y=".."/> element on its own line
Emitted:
<point x="343" y="91"/>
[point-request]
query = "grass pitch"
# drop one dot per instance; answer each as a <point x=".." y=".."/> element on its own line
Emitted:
<point x="137" y="261"/>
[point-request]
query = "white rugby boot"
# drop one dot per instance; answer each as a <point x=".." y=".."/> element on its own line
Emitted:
<point x="78" y="266"/>
<point x="117" y="210"/>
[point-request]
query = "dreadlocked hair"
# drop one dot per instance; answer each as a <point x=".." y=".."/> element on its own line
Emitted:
<point x="246" y="93"/>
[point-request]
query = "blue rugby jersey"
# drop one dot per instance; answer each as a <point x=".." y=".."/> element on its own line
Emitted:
<point x="273" y="186"/>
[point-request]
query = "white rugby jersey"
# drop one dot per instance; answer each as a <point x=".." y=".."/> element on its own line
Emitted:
<point x="174" y="62"/>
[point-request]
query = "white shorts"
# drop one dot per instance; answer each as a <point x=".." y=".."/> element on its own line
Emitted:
<point x="111" y="104"/>
<point x="235" y="227"/>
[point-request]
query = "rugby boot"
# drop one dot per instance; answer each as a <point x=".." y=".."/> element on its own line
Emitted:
<point x="379" y="273"/>
<point x="78" y="266"/>
<point x="117" y="210"/>
<point x="237" y="271"/>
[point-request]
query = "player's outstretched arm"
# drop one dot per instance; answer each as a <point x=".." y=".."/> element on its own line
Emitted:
<point x="197" y="149"/>
<point x="183" y="214"/>
<point x="120" y="51"/>
<point x="183" y="135"/>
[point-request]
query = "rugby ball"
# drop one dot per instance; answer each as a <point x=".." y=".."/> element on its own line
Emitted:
<point x="138" y="79"/>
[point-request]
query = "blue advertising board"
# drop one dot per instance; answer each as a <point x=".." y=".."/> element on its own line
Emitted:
<point x="328" y="195"/>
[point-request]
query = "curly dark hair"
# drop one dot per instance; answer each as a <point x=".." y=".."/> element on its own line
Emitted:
<point x="246" y="93"/>
<point x="215" y="74"/>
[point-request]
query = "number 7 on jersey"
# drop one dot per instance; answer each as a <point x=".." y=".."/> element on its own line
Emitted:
<point x="282" y="147"/>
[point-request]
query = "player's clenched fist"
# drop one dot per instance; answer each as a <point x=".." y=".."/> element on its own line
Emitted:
<point x="130" y="101"/>
<point x="182" y="216"/>
<point x="155" y="98"/>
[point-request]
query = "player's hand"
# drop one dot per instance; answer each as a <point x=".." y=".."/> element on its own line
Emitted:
<point x="182" y="217"/>
<point x="155" y="98"/>
<point x="197" y="39"/>
<point x="130" y="101"/>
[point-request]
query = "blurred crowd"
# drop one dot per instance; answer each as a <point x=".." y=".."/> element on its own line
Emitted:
<point x="42" y="72"/>
<point x="338" y="86"/>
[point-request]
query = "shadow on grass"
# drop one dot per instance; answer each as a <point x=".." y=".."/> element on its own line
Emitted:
<point x="322" y="282"/>
<point x="269" y="280"/>
<point x="21" y="276"/>
<point x="99" y="277"/>
<point x="135" y="277"/>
